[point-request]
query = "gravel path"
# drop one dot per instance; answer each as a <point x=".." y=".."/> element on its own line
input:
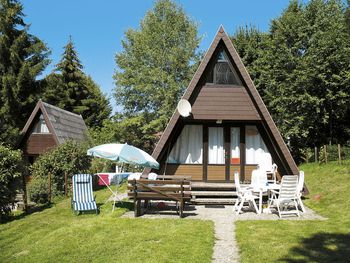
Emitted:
<point x="225" y="247"/>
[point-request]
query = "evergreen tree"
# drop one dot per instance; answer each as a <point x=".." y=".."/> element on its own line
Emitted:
<point x="155" y="66"/>
<point x="22" y="58"/>
<point x="70" y="69"/>
<point x="71" y="89"/>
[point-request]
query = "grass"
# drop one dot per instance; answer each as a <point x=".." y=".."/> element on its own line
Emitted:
<point x="55" y="234"/>
<point x="305" y="241"/>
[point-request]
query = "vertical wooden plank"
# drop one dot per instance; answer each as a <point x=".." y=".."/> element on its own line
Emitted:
<point x="325" y="153"/>
<point x="339" y="154"/>
<point x="205" y="153"/>
<point x="242" y="151"/>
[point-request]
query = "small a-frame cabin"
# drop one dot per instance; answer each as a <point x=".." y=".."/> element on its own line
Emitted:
<point x="230" y="128"/>
<point x="47" y="127"/>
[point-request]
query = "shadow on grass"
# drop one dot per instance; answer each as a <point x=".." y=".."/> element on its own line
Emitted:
<point x="321" y="247"/>
<point x="126" y="205"/>
<point x="23" y="214"/>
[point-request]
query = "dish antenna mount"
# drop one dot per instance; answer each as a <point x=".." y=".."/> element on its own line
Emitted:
<point x="184" y="108"/>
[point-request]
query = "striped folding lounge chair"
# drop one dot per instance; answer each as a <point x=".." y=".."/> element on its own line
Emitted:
<point x="83" y="199"/>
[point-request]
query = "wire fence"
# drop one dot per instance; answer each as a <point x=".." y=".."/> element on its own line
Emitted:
<point x="326" y="153"/>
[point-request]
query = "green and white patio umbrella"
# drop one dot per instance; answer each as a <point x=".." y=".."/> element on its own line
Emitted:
<point x="124" y="153"/>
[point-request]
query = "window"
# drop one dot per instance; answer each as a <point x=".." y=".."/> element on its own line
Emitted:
<point x="256" y="150"/>
<point x="235" y="154"/>
<point x="216" y="153"/>
<point x="188" y="148"/>
<point x="41" y="126"/>
<point x="222" y="72"/>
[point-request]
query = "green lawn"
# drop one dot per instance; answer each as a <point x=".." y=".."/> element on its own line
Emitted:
<point x="56" y="235"/>
<point x="305" y="241"/>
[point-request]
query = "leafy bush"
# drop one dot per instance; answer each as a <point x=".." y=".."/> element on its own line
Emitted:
<point x="10" y="163"/>
<point x="69" y="158"/>
<point x="38" y="190"/>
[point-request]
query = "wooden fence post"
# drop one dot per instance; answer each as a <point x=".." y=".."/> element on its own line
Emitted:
<point x="339" y="154"/>
<point x="315" y="154"/>
<point x="49" y="187"/>
<point x="65" y="183"/>
<point x="325" y="153"/>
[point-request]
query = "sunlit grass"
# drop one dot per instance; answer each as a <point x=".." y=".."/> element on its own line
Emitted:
<point x="306" y="241"/>
<point x="56" y="235"/>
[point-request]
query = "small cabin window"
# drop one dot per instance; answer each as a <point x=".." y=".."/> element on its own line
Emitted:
<point x="41" y="126"/>
<point x="222" y="71"/>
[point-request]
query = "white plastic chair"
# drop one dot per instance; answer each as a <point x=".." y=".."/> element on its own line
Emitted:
<point x="243" y="195"/>
<point x="300" y="190"/>
<point x="258" y="179"/>
<point x="287" y="195"/>
<point x="273" y="172"/>
<point x="152" y="176"/>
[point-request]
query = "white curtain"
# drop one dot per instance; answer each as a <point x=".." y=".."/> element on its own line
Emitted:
<point x="216" y="145"/>
<point x="235" y="142"/>
<point x="256" y="150"/>
<point x="188" y="148"/>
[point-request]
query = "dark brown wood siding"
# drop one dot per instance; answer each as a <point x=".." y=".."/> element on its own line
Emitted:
<point x="217" y="102"/>
<point x="37" y="143"/>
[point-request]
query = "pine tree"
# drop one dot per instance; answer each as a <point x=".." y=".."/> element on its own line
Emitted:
<point x="155" y="66"/>
<point x="22" y="58"/>
<point x="71" y="89"/>
<point x="70" y="69"/>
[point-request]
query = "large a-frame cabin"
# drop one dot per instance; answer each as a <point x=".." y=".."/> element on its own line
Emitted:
<point x="230" y="128"/>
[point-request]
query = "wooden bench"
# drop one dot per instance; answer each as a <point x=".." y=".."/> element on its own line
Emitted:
<point x="172" y="188"/>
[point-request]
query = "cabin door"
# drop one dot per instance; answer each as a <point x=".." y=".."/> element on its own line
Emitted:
<point x="216" y="168"/>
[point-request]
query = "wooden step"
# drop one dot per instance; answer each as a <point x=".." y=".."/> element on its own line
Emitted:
<point x="213" y="201"/>
<point x="213" y="193"/>
<point x="212" y="186"/>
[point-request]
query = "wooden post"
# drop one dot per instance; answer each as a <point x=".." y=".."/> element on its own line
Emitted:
<point x="65" y="183"/>
<point x="325" y="153"/>
<point x="315" y="154"/>
<point x="339" y="154"/>
<point x="49" y="178"/>
<point x="182" y="200"/>
<point x="136" y="202"/>
<point x="25" y="203"/>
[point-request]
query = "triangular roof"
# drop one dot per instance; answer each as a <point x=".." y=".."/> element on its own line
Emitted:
<point x="62" y="124"/>
<point x="265" y="116"/>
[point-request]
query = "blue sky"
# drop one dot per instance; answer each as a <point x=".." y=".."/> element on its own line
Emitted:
<point x="97" y="27"/>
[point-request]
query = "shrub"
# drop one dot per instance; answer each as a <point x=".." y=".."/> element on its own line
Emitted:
<point x="38" y="190"/>
<point x="68" y="158"/>
<point x="10" y="163"/>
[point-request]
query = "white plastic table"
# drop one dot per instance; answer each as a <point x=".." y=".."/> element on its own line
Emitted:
<point x="264" y="189"/>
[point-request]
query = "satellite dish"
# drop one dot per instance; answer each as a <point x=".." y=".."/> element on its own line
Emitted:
<point x="184" y="108"/>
